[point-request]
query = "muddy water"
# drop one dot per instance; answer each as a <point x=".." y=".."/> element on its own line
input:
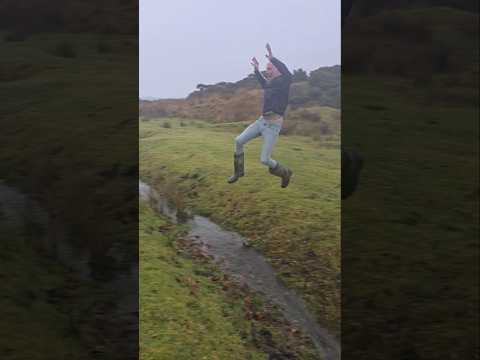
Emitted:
<point x="249" y="267"/>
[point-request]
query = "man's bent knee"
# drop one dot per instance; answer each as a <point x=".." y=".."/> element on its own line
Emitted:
<point x="238" y="144"/>
<point x="265" y="161"/>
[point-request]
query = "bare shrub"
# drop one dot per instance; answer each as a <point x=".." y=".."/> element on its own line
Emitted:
<point x="289" y="128"/>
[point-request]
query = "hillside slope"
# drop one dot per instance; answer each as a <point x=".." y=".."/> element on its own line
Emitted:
<point x="242" y="100"/>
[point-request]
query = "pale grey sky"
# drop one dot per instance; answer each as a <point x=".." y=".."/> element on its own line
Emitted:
<point x="186" y="42"/>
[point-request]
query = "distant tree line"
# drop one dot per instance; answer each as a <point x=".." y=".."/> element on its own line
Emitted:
<point x="320" y="87"/>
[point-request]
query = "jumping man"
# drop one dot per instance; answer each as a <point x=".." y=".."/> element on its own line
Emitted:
<point x="276" y="85"/>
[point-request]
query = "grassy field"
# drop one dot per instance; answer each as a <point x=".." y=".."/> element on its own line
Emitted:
<point x="54" y="131"/>
<point x="297" y="228"/>
<point x="410" y="233"/>
<point x="189" y="310"/>
<point x="57" y="142"/>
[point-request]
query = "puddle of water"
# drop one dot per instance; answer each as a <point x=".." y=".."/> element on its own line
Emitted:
<point x="249" y="267"/>
<point x="159" y="203"/>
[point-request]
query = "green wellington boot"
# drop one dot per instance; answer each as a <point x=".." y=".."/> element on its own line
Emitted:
<point x="283" y="172"/>
<point x="238" y="168"/>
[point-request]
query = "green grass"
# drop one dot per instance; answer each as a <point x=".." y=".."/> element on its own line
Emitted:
<point x="297" y="228"/>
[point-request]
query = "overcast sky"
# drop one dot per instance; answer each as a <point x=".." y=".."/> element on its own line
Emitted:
<point x="186" y="42"/>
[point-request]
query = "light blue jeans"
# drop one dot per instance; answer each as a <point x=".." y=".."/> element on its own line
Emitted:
<point x="268" y="131"/>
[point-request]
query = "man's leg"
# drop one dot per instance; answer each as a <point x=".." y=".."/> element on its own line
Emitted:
<point x="270" y="137"/>
<point x="251" y="132"/>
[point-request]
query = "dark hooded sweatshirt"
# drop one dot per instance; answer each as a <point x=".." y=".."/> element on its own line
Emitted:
<point x="276" y="91"/>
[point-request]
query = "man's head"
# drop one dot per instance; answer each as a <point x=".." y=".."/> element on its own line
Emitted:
<point x="271" y="72"/>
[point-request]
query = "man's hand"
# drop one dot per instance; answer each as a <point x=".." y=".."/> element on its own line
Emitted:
<point x="269" y="55"/>
<point x="255" y="63"/>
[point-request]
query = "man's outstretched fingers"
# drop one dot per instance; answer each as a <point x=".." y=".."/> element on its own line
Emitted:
<point x="269" y="50"/>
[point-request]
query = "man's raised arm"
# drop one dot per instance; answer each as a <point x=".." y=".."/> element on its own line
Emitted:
<point x="259" y="75"/>
<point x="278" y="64"/>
